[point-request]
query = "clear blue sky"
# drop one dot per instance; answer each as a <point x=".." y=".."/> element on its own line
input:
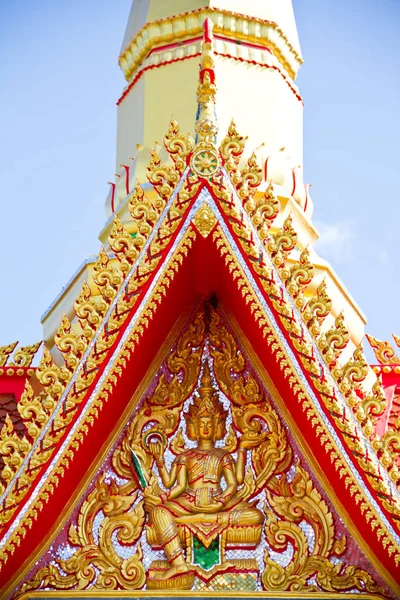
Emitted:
<point x="60" y="81"/>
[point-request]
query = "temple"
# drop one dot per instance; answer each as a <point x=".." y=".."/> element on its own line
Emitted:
<point x="201" y="418"/>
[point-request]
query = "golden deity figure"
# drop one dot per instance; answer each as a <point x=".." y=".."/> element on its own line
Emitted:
<point x="196" y="499"/>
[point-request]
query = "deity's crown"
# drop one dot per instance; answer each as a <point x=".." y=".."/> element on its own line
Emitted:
<point x="206" y="404"/>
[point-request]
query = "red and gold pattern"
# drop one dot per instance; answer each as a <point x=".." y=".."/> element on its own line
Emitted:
<point x="293" y="501"/>
<point x="135" y="290"/>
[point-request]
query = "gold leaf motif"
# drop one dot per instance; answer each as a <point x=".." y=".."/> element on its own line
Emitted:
<point x="70" y="344"/>
<point x="204" y="220"/>
<point x="23" y="357"/>
<point x="89" y="311"/>
<point x="383" y="351"/>
<point x="13" y="449"/>
<point x="32" y="411"/>
<point x="299" y="277"/>
<point x="317" y="309"/>
<point x="52" y="377"/>
<point x="163" y="178"/>
<point x="178" y="146"/>
<point x="122" y="243"/>
<point x="231" y="149"/>
<point x="334" y="341"/>
<point x="5" y="352"/>
<point x="292" y="502"/>
<point x="107" y="278"/>
<point x="282" y="243"/>
<point x="96" y="564"/>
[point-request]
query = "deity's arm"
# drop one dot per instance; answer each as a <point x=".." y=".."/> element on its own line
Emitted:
<point x="241" y="465"/>
<point x="168" y="478"/>
<point x="231" y="481"/>
<point x="181" y="481"/>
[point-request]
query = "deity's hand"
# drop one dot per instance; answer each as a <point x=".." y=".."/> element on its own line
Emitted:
<point x="157" y="450"/>
<point x="150" y="500"/>
<point x="247" y="442"/>
<point x="209" y="509"/>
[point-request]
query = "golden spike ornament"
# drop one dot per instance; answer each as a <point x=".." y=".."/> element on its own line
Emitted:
<point x="282" y="243"/>
<point x="333" y="342"/>
<point x="71" y="345"/>
<point x="24" y="356"/>
<point x="205" y="160"/>
<point x="5" y="352"/>
<point x="178" y="145"/>
<point x="317" y="309"/>
<point x="383" y="351"/>
<point x="265" y="212"/>
<point x="299" y="277"/>
<point x="107" y="277"/>
<point x="231" y="149"/>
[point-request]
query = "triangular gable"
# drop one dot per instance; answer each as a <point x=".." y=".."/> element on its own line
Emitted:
<point x="305" y="544"/>
<point x="205" y="228"/>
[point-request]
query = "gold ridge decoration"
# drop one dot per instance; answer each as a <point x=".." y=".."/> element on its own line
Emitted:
<point x="123" y="244"/>
<point x="247" y="182"/>
<point x="383" y="351"/>
<point x="293" y="502"/>
<point x="71" y="345"/>
<point x="178" y="145"/>
<point x="13" y="450"/>
<point x="52" y="377"/>
<point x="317" y="309"/>
<point x="98" y="561"/>
<point x="34" y="411"/>
<point x="231" y="149"/>
<point x="107" y="277"/>
<point x="282" y="243"/>
<point x="370" y="467"/>
<point x="299" y="277"/>
<point x="5" y="352"/>
<point x="163" y="178"/>
<point x="266" y="211"/>
<point x="24" y="356"/>
<point x="352" y="373"/>
<point x="333" y="342"/>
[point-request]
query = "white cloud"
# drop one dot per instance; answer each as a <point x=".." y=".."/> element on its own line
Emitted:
<point x="336" y="240"/>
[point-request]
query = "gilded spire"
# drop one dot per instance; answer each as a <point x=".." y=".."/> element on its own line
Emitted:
<point x="206" y="122"/>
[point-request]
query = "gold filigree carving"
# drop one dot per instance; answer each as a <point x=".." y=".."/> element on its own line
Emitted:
<point x="13" y="450"/>
<point x="107" y="278"/>
<point x="5" y="352"/>
<point x="334" y="340"/>
<point x="204" y="220"/>
<point x="178" y="145"/>
<point x="98" y="562"/>
<point x="266" y="211"/>
<point x="89" y="310"/>
<point x="299" y="277"/>
<point x="123" y="244"/>
<point x="317" y="309"/>
<point x="282" y="243"/>
<point x="383" y="351"/>
<point x="231" y="149"/>
<point x="162" y="177"/>
<point x="71" y="345"/>
<point x="33" y="411"/>
<point x="292" y="502"/>
<point x="24" y="356"/>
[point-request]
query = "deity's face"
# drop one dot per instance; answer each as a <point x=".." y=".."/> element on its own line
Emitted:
<point x="206" y="428"/>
